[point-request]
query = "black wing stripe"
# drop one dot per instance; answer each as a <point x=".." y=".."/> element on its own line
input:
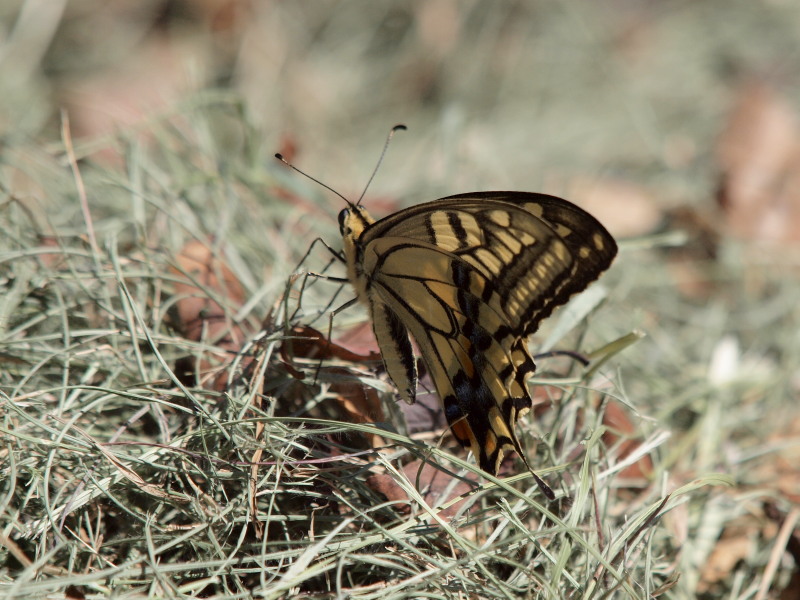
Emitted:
<point x="458" y="228"/>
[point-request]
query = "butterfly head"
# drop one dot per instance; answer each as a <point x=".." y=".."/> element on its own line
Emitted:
<point x="353" y="220"/>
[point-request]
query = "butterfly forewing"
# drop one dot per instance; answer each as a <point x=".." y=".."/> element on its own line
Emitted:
<point x="537" y="250"/>
<point x="470" y="277"/>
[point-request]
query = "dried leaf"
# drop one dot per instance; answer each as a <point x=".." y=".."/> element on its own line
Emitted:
<point x="624" y="208"/>
<point x="307" y="342"/>
<point x="622" y="436"/>
<point x="387" y="487"/>
<point x="779" y="517"/>
<point x="145" y="82"/>
<point x="688" y="261"/>
<point x="779" y="470"/>
<point x="435" y="485"/>
<point x="198" y="316"/>
<point x="724" y="558"/>
<point x="759" y="157"/>
<point x="288" y="147"/>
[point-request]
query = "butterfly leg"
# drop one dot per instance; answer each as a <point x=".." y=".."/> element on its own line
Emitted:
<point x="576" y="356"/>
<point x="336" y="254"/>
<point x="332" y="314"/>
<point x="327" y="307"/>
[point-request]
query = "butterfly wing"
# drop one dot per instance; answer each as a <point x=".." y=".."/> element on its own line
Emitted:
<point x="535" y="249"/>
<point x="477" y="365"/>
<point x="470" y="277"/>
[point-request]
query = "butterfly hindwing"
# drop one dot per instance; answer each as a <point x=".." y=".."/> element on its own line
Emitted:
<point x="398" y="355"/>
<point x="470" y="277"/>
<point x="470" y="351"/>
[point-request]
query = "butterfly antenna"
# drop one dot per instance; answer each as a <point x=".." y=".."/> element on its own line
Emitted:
<point x="399" y="127"/>
<point x="279" y="156"/>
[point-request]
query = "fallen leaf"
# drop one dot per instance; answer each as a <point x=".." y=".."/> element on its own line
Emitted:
<point x="203" y="275"/>
<point x="778" y="516"/>
<point x="626" y="209"/>
<point x="722" y="561"/>
<point x="288" y="147"/>
<point x="759" y="158"/>
<point x="779" y="471"/>
<point x="435" y="485"/>
<point x="306" y="342"/>
<point x="622" y="436"/>
<point x="121" y="96"/>
<point x="358" y="403"/>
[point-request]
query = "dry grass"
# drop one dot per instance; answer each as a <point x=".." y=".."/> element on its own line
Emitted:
<point x="121" y="475"/>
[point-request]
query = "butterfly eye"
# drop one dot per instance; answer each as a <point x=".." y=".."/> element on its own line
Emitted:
<point x="342" y="218"/>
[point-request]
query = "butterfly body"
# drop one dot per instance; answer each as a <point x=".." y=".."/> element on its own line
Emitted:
<point x="469" y="278"/>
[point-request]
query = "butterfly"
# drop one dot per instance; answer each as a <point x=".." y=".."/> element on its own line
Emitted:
<point x="469" y="278"/>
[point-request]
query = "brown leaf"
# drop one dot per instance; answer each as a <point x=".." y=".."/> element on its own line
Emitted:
<point x="622" y="436"/>
<point x="741" y="540"/>
<point x="198" y="316"/>
<point x="306" y="342"/>
<point x="759" y="159"/>
<point x="350" y="401"/>
<point x="779" y="517"/>
<point x="690" y="262"/>
<point x="356" y="402"/>
<point x="288" y="147"/>
<point x="386" y="486"/>
<point x="779" y="470"/>
<point x="723" y="559"/>
<point x="147" y="80"/>
<point x="434" y="484"/>
<point x="223" y="16"/>
<point x="360" y="339"/>
<point x="624" y="208"/>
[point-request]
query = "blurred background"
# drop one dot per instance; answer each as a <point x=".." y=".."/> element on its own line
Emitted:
<point x="566" y="97"/>
<point x="674" y="122"/>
